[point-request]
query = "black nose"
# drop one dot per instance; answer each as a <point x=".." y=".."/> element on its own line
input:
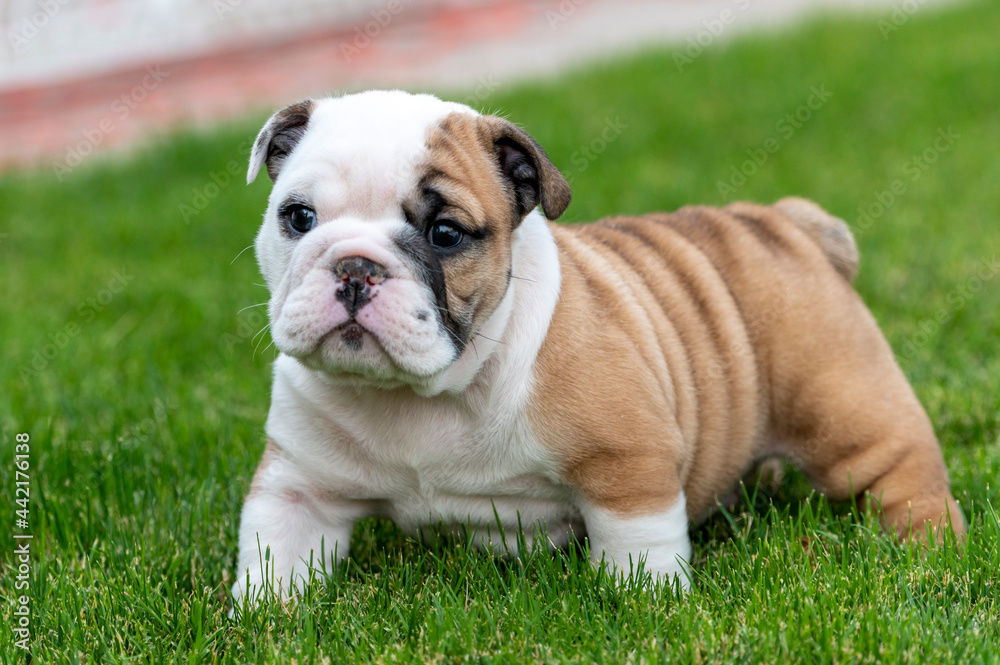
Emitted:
<point x="357" y="275"/>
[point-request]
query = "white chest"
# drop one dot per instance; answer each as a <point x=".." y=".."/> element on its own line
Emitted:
<point x="424" y="462"/>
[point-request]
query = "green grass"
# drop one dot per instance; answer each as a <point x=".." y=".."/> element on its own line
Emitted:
<point x="146" y="424"/>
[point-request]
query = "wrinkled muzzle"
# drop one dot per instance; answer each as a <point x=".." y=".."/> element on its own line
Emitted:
<point x="353" y="301"/>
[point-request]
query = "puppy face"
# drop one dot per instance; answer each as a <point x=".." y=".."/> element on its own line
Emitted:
<point x="389" y="232"/>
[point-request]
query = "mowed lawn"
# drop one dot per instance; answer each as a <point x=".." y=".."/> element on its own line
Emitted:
<point x="131" y="361"/>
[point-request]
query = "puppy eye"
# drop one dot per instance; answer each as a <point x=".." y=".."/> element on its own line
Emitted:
<point x="300" y="218"/>
<point x="444" y="235"/>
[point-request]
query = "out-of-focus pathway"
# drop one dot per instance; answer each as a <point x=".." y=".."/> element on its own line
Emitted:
<point x="57" y="115"/>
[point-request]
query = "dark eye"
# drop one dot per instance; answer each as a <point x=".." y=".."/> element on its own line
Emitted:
<point x="300" y="218"/>
<point x="444" y="235"/>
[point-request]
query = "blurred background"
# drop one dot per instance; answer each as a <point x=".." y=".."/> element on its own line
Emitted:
<point x="84" y="76"/>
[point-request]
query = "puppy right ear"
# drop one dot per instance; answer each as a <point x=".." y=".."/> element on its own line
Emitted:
<point x="278" y="138"/>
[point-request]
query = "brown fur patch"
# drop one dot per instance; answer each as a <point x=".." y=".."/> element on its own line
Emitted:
<point x="687" y="346"/>
<point x="464" y="167"/>
<point x="461" y="168"/>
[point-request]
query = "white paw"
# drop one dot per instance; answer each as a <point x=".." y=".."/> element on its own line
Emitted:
<point x="659" y="540"/>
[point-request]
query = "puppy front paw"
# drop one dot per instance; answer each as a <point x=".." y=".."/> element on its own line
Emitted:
<point x="659" y="540"/>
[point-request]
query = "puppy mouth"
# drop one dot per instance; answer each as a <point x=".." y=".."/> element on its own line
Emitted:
<point x="351" y="333"/>
<point x="359" y="358"/>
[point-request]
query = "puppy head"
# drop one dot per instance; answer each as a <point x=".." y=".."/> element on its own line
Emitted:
<point x="389" y="232"/>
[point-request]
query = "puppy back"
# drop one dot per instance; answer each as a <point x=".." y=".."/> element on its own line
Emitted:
<point x="672" y="336"/>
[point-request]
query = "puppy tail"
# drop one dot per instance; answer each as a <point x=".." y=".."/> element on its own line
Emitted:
<point x="829" y="232"/>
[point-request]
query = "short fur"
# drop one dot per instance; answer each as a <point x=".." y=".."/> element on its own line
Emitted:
<point x="739" y="338"/>
<point x="607" y="379"/>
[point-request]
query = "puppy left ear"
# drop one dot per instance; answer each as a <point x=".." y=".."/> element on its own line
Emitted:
<point x="533" y="177"/>
<point x="278" y="138"/>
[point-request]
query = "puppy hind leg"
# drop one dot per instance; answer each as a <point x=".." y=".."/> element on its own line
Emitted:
<point x="897" y="465"/>
<point x="915" y="497"/>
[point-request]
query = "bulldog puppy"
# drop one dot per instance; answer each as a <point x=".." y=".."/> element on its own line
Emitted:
<point x="450" y="357"/>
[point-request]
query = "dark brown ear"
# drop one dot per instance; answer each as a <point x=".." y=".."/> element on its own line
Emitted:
<point x="278" y="138"/>
<point x="533" y="177"/>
